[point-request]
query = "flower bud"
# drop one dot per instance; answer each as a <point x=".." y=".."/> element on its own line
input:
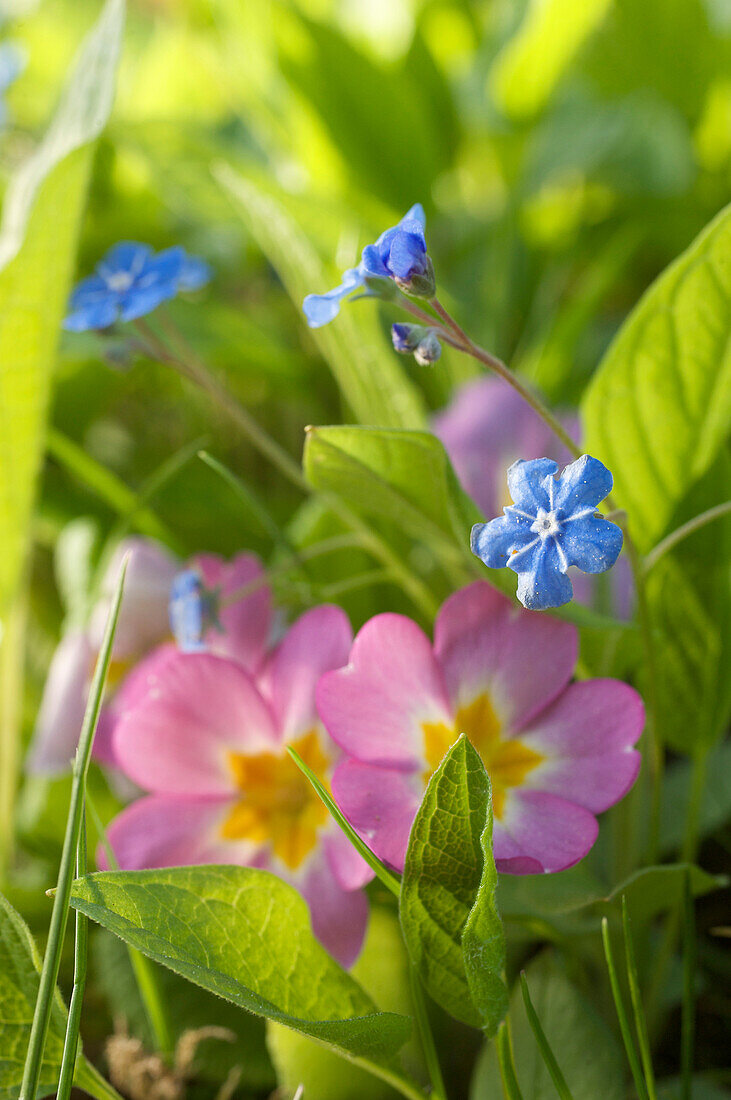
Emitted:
<point x="429" y="349"/>
<point x="418" y="340"/>
<point x="420" y="283"/>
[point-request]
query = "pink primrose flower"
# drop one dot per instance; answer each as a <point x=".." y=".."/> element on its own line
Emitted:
<point x="557" y="752"/>
<point x="208" y="743"/>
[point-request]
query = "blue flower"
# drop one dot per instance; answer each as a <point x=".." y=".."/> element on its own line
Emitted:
<point x="320" y="309"/>
<point x="418" y="340"/>
<point x="130" y="282"/>
<point x="400" y="254"/>
<point x="552" y="524"/>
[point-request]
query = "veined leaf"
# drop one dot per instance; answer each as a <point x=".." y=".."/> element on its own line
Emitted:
<point x="659" y="407"/>
<point x="447" y="907"/>
<point x="245" y="935"/>
<point x="40" y="227"/>
<point x="369" y="374"/>
<point x="586" y="1049"/>
<point x="20" y="967"/>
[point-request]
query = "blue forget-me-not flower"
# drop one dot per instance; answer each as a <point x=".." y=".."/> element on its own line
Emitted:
<point x="191" y="610"/>
<point x="398" y="254"/>
<point x="551" y="525"/>
<point x="130" y="282"/>
<point x="418" y="340"/>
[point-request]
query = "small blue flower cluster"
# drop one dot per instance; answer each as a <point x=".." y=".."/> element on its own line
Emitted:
<point x="130" y="282"/>
<point x="399" y="254"/>
<point x="418" y="340"/>
<point x="551" y="525"/>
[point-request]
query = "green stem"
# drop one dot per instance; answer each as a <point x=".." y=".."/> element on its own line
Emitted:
<point x="622" y="1015"/>
<point x="656" y="758"/>
<point x="183" y="360"/>
<point x="59" y="915"/>
<point x="142" y="968"/>
<point x="506" y="1062"/>
<point x="634" y="990"/>
<point x="11" y="695"/>
<point x="687" y="1028"/>
<point x="544" y="1046"/>
<point x="681" y="533"/>
<point x="428" y="1046"/>
<point x="73" y="1023"/>
<point x="465" y="344"/>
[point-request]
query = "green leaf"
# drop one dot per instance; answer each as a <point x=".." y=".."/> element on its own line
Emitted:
<point x="447" y="907"/>
<point x="20" y="968"/>
<point x="40" y="227"/>
<point x="659" y="408"/>
<point x="244" y="935"/>
<point x="586" y="1049"/>
<point x="402" y="476"/>
<point x="370" y="376"/>
<point x="715" y="806"/>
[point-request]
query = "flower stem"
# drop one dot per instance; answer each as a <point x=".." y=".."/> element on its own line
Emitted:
<point x="59" y="915"/>
<point x="465" y="344"/>
<point x="506" y="1062"/>
<point x="182" y="359"/>
<point x="687" y="1027"/>
<point x="428" y="1046"/>
<point x="681" y="533"/>
<point x="73" y="1024"/>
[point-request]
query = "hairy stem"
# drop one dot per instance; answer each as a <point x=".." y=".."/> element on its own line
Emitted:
<point x="681" y="533"/>
<point x="428" y="1046"/>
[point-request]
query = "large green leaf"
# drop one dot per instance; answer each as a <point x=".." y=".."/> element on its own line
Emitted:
<point x="20" y="967"/>
<point x="585" y="1048"/>
<point x="447" y="906"/>
<point x="41" y="218"/>
<point x="370" y="376"/>
<point x="659" y="407"/>
<point x="244" y="935"/>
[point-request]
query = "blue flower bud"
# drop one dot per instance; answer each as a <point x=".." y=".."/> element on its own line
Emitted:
<point x="419" y="340"/>
<point x="428" y="350"/>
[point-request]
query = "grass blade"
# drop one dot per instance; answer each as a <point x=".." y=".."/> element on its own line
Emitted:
<point x="73" y="1024"/>
<point x="634" y="990"/>
<point x="544" y="1046"/>
<point x="687" y="1033"/>
<point x="59" y="915"/>
<point x="511" y="1088"/>
<point x="389" y="880"/>
<point x="622" y="1015"/>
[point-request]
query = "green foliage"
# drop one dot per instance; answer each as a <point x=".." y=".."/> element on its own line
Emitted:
<point x="448" y="915"/>
<point x="244" y="935"/>
<point x="587" y="1052"/>
<point x="658" y="409"/>
<point x="44" y="200"/>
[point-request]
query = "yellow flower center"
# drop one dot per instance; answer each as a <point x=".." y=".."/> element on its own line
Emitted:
<point x="277" y="804"/>
<point x="507" y="761"/>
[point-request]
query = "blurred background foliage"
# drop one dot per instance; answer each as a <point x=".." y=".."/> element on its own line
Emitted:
<point x="565" y="153"/>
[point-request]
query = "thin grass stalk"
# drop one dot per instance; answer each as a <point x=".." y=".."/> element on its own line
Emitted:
<point x="639" y="1013"/>
<point x="622" y="1015"/>
<point x="687" y="1027"/>
<point x="59" y="915"/>
<point x="81" y="946"/>
<point x="506" y="1062"/>
<point x="544" y="1046"/>
<point x="426" y="1037"/>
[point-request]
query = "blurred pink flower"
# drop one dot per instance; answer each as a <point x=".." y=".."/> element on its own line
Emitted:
<point x="143" y="624"/>
<point x="557" y="753"/>
<point x="208" y="742"/>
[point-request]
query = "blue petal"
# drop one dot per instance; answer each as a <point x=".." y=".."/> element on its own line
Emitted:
<point x="187" y="610"/>
<point x="583" y="484"/>
<point x="320" y="309"/>
<point x="194" y="273"/>
<point x="541" y="582"/>
<point x="91" y="290"/>
<point x="128" y="256"/>
<point x="94" y="315"/>
<point x="373" y="263"/>
<point x="592" y="542"/>
<point x="495" y="542"/>
<point x="407" y="256"/>
<point x="164" y="267"/>
<point x="140" y="301"/>
<point x="528" y="485"/>
<point x="415" y="214"/>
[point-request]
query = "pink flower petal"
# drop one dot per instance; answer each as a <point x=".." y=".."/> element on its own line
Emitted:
<point x="246" y="622"/>
<point x="339" y="917"/>
<point x="198" y="709"/>
<point x="133" y="689"/>
<point x="348" y="867"/>
<point x="380" y="804"/>
<point x="319" y="641"/>
<point x="537" y="826"/>
<point x="164" y="831"/>
<point x="374" y="708"/>
<point x="587" y="736"/>
<point x="143" y="617"/>
<point x="61" y="713"/>
<point x="521" y="659"/>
